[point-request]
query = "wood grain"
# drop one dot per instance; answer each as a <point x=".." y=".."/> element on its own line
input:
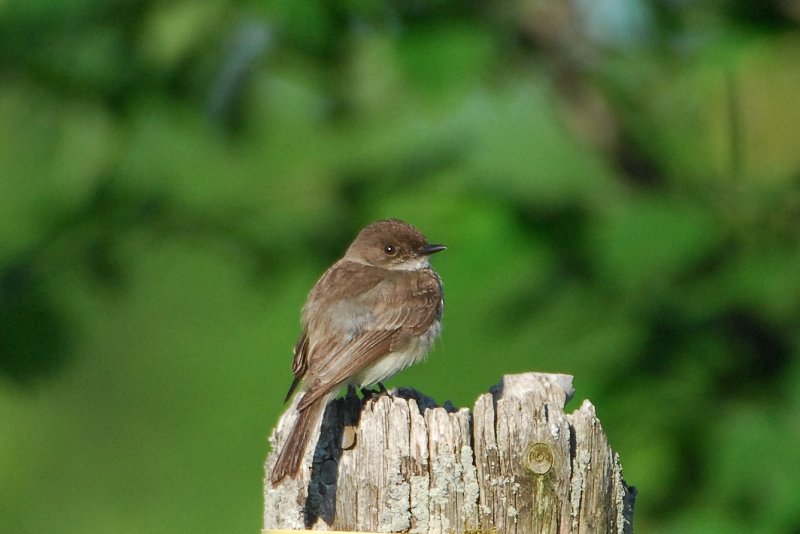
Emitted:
<point x="516" y="464"/>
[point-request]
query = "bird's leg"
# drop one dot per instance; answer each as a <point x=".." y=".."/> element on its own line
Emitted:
<point x="366" y="393"/>
<point x="369" y="393"/>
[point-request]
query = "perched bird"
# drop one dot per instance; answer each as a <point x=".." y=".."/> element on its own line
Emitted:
<point x="371" y="314"/>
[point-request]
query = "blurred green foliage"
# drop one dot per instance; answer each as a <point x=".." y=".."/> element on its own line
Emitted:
<point x="618" y="183"/>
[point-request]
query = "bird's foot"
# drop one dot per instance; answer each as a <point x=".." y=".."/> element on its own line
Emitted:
<point x="369" y="393"/>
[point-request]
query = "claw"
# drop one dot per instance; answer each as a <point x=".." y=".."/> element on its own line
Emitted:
<point x="370" y="393"/>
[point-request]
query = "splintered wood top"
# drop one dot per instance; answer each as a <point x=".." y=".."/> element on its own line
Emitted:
<point x="327" y="531"/>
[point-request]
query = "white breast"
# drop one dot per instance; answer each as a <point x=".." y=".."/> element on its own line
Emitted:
<point x="394" y="362"/>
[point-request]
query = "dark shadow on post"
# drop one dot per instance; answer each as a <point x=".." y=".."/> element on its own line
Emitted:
<point x="321" y="502"/>
<point x="340" y="414"/>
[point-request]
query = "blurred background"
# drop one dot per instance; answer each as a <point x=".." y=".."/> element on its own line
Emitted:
<point x="618" y="182"/>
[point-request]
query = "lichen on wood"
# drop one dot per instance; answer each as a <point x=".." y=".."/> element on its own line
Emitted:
<point x="516" y="463"/>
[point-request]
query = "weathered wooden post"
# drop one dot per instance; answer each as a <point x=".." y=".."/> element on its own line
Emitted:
<point x="515" y="464"/>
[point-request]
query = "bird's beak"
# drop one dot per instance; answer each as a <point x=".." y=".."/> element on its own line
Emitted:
<point x="431" y="249"/>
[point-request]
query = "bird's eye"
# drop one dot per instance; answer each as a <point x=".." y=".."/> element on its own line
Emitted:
<point x="390" y="250"/>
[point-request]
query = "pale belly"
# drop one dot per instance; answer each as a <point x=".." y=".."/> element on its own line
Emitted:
<point x="395" y="362"/>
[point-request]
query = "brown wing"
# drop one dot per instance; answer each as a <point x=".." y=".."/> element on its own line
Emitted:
<point x="402" y="305"/>
<point x="299" y="363"/>
<point x="335" y="282"/>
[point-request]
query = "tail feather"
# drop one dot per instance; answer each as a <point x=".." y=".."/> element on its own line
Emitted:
<point x="294" y="448"/>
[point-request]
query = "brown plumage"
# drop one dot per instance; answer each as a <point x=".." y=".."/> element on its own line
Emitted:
<point x="370" y="315"/>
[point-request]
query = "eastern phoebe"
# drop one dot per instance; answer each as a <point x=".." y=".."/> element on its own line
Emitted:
<point x="373" y="313"/>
